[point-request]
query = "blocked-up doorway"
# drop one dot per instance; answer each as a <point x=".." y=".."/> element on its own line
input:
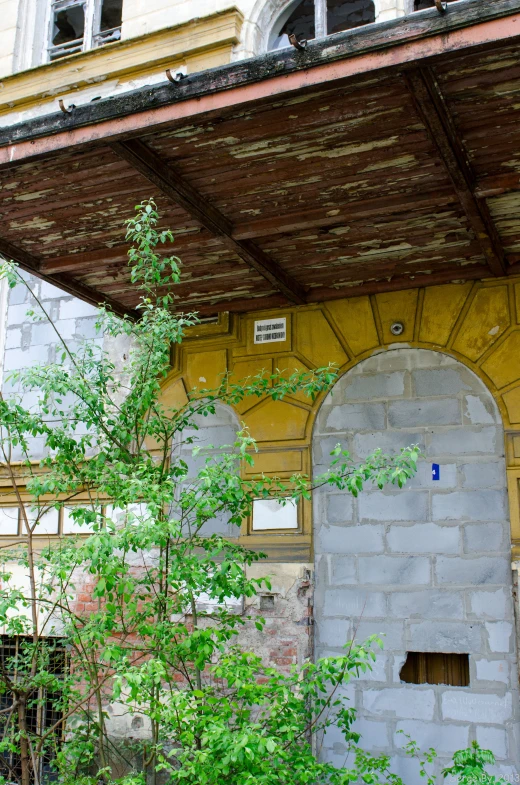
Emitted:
<point x="428" y="566"/>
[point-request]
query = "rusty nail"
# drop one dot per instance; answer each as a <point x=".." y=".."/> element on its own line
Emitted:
<point x="296" y="43"/>
<point x="441" y="6"/>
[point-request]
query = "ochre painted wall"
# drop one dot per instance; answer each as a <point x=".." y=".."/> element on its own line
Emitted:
<point x="479" y="323"/>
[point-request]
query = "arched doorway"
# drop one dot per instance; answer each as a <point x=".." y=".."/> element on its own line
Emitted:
<point x="429" y="566"/>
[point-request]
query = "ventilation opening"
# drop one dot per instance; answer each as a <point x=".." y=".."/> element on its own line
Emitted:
<point x="436" y="668"/>
<point x="266" y="602"/>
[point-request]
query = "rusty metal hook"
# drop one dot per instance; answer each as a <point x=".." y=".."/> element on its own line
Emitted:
<point x="174" y="79"/>
<point x="298" y="44"/>
<point x="66" y="109"/>
<point x="441" y="6"/>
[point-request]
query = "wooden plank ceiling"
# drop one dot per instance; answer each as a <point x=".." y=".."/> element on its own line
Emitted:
<point x="388" y="180"/>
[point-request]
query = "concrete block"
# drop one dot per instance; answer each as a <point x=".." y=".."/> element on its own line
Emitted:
<point x="423" y="477"/>
<point x="18" y="295"/>
<point x="340" y="508"/>
<point x="367" y="538"/>
<point x="474" y="707"/>
<point x="358" y="416"/>
<point x="322" y="570"/>
<point x="417" y="413"/>
<point x="344" y="570"/>
<point x="478" y="411"/>
<point x="485" y="505"/>
<point x="394" y="570"/>
<point x="368" y="388"/>
<point x="388" y="441"/>
<point x="66" y="328"/>
<point x="472" y="572"/>
<point x="413" y="703"/>
<point x="212" y="437"/>
<point x="406" y="768"/>
<point x="333" y="634"/>
<point x="354" y="603"/>
<point x="499" y="636"/>
<point x="485" y="537"/>
<point x="440" y="381"/>
<point x="492" y="670"/>
<point x="442" y="636"/>
<point x="374" y="734"/>
<point x="15" y="359"/>
<point x="463" y="441"/>
<point x="424" y="538"/>
<point x="17" y="314"/>
<point x="43" y="333"/>
<point x="494" y="739"/>
<point x="377" y="672"/>
<point x="86" y="327"/>
<point x="427" y="604"/>
<point x="445" y="738"/>
<point x="75" y="309"/>
<point x="13" y="338"/>
<point x="401" y="506"/>
<point x="491" y="604"/>
<point x="324" y="445"/>
<point x="483" y="475"/>
<point x="391" y="633"/>
<point x="334" y="739"/>
<point x="48" y="292"/>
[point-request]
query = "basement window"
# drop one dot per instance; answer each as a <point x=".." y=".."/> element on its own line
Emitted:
<point x="436" y="668"/>
<point x="78" y="25"/>
<point x="44" y="707"/>
<point x="308" y="19"/>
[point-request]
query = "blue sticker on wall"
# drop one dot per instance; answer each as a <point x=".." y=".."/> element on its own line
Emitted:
<point x="436" y="471"/>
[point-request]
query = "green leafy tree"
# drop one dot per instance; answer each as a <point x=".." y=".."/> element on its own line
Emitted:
<point x="138" y="640"/>
<point x="469" y="767"/>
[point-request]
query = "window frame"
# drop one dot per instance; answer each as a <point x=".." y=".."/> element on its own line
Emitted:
<point x="320" y="20"/>
<point x="93" y="37"/>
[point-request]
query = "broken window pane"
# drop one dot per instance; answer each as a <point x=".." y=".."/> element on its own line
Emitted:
<point x="67" y="31"/>
<point x="420" y="5"/>
<point x="346" y="14"/>
<point x="110" y="22"/>
<point x="299" y="21"/>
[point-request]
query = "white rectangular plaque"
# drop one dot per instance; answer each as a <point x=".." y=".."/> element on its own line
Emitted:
<point x="271" y="330"/>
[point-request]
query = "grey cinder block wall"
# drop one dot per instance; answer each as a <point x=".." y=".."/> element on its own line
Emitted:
<point x="428" y="566"/>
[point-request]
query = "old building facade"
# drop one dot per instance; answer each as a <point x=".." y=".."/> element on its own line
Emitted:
<point x="361" y="191"/>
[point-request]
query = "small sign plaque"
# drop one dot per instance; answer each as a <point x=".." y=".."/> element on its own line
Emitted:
<point x="271" y="330"/>
<point x="436" y="471"/>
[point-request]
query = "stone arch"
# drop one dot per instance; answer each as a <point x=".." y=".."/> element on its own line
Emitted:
<point x="264" y="15"/>
<point x="428" y="565"/>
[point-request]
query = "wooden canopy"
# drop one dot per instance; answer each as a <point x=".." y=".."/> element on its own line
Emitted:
<point x="385" y="157"/>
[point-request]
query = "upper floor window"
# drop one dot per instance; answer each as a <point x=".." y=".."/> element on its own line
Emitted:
<point x="309" y="19"/>
<point x="78" y="25"/>
<point x="420" y="5"/>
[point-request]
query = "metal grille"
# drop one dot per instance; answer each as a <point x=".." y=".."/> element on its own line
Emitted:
<point x="43" y="707"/>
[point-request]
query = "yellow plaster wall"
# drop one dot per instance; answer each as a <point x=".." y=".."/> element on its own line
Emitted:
<point x="478" y="323"/>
